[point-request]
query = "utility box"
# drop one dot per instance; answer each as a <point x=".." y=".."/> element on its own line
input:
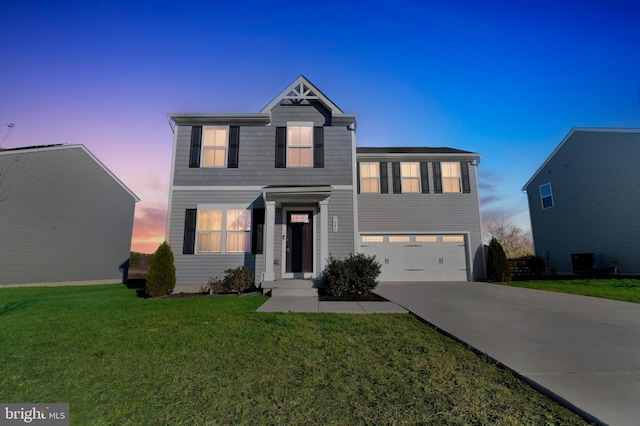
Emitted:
<point x="583" y="263"/>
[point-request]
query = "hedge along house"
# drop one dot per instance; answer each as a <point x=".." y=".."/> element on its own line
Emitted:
<point x="64" y="218"/>
<point x="279" y="191"/>
<point x="584" y="203"/>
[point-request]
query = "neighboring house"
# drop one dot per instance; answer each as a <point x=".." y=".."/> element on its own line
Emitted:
<point x="584" y="203"/>
<point x="64" y="218"/>
<point x="283" y="189"/>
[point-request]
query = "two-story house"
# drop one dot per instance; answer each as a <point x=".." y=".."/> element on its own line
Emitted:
<point x="282" y="189"/>
<point x="583" y="203"/>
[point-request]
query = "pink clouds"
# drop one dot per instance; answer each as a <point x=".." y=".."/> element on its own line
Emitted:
<point x="149" y="226"/>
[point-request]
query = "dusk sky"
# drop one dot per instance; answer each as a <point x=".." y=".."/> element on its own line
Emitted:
<point x="505" y="79"/>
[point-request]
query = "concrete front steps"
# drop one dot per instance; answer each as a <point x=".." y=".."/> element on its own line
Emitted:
<point x="290" y="287"/>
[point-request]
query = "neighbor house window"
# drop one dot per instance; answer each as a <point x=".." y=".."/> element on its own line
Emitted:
<point x="299" y="146"/>
<point x="410" y="173"/>
<point x="224" y="231"/>
<point x="369" y="177"/>
<point x="451" y="177"/>
<point x="214" y="146"/>
<point x="546" y="196"/>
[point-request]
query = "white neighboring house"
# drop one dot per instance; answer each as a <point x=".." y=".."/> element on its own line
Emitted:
<point x="64" y="218"/>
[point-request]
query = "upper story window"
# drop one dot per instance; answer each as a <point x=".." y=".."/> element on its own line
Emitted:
<point x="410" y="173"/>
<point x="214" y="146"/>
<point x="546" y="196"/>
<point x="300" y="146"/>
<point x="451" y="177"/>
<point x="369" y="177"/>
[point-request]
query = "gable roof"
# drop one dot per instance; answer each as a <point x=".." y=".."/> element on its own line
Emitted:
<point x="302" y="89"/>
<point x="566" y="138"/>
<point x="40" y="148"/>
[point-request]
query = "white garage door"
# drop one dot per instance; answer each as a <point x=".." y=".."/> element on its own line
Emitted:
<point x="418" y="257"/>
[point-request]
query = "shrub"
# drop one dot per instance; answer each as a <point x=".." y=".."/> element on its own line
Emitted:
<point x="162" y="272"/>
<point x="356" y="274"/>
<point x="497" y="265"/>
<point x="215" y="286"/>
<point x="238" y="279"/>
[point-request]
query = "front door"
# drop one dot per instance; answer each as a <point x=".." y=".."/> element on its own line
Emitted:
<point x="299" y="242"/>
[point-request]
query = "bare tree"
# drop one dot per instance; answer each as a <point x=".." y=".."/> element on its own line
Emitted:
<point x="515" y="241"/>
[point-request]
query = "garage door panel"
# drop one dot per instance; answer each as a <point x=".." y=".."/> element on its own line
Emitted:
<point x="419" y="257"/>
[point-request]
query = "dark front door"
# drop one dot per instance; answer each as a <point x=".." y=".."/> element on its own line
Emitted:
<point x="299" y="242"/>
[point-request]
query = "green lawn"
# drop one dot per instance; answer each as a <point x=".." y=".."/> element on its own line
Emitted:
<point x="122" y="360"/>
<point x="626" y="290"/>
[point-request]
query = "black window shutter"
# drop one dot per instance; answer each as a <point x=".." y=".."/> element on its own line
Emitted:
<point x="424" y="176"/>
<point x="189" y="243"/>
<point x="318" y="147"/>
<point x="358" y="176"/>
<point x="466" y="184"/>
<point x="257" y="235"/>
<point x="281" y="147"/>
<point x="437" y="178"/>
<point x="234" y="147"/>
<point x="397" y="180"/>
<point x="384" y="178"/>
<point x="196" y="142"/>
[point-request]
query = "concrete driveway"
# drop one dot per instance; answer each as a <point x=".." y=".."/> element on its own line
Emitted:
<point x="584" y="350"/>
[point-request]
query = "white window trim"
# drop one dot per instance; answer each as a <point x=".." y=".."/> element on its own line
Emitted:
<point x="419" y="191"/>
<point x="366" y="177"/>
<point x="543" y="197"/>
<point x="223" y="243"/>
<point x="226" y="148"/>
<point x="459" y="176"/>
<point x="299" y="124"/>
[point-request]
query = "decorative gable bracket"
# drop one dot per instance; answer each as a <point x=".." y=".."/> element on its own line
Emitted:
<point x="299" y="91"/>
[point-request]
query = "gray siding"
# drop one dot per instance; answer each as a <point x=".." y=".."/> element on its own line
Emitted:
<point x="196" y="269"/>
<point x="63" y="219"/>
<point x="341" y="242"/>
<point x="596" y="199"/>
<point x="257" y="161"/>
<point x="425" y="213"/>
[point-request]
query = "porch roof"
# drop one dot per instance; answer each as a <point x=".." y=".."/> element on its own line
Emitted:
<point x="298" y="194"/>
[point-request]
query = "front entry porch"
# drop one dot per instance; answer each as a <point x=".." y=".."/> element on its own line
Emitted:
<point x="296" y="225"/>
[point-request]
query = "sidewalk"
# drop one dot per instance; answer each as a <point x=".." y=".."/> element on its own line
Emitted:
<point x="312" y="304"/>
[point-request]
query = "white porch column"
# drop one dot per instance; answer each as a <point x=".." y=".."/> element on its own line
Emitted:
<point x="270" y="222"/>
<point x="324" y="234"/>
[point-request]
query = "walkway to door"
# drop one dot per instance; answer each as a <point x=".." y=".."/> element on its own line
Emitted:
<point x="584" y="350"/>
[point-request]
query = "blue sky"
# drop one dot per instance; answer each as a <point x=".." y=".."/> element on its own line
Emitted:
<point x="506" y="79"/>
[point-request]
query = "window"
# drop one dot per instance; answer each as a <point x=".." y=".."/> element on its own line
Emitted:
<point x="369" y="179"/>
<point x="238" y="228"/>
<point x="217" y="226"/>
<point x="399" y="239"/>
<point x="410" y="177"/>
<point x="546" y="196"/>
<point x="451" y="177"/>
<point x="372" y="238"/>
<point x="299" y="146"/>
<point x="453" y="239"/>
<point x="426" y="239"/>
<point x="214" y="146"/>
<point x="209" y="231"/>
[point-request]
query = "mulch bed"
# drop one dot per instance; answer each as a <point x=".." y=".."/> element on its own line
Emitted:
<point x="370" y="297"/>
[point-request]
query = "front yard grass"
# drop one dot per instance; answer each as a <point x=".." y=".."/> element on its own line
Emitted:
<point x="626" y="290"/>
<point x="119" y="359"/>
